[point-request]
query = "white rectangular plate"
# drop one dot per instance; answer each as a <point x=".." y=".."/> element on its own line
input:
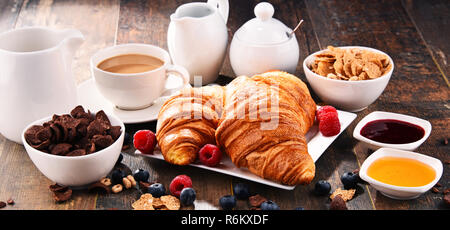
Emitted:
<point x="317" y="144"/>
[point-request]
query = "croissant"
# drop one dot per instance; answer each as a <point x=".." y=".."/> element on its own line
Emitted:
<point x="187" y="121"/>
<point x="260" y="122"/>
<point x="263" y="126"/>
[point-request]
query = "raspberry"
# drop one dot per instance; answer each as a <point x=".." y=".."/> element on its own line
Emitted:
<point x="324" y="110"/>
<point x="329" y="124"/>
<point x="178" y="183"/>
<point x="144" y="141"/>
<point x="210" y="155"/>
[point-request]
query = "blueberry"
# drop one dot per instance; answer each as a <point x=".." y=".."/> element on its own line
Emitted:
<point x="227" y="202"/>
<point x="116" y="176"/>
<point x="349" y="180"/>
<point x="157" y="190"/>
<point x="141" y="175"/>
<point x="127" y="139"/>
<point x="299" y="208"/>
<point x="119" y="160"/>
<point x="241" y="191"/>
<point x="322" y="188"/>
<point x="187" y="196"/>
<point x="269" y="205"/>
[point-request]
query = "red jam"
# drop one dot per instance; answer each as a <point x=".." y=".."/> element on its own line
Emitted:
<point x="391" y="131"/>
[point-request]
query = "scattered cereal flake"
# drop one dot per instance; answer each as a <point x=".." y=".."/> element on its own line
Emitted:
<point x="145" y="202"/>
<point x="345" y="194"/>
<point x="171" y="202"/>
<point x="158" y="203"/>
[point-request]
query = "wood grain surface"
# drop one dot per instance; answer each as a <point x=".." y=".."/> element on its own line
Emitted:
<point x="414" y="33"/>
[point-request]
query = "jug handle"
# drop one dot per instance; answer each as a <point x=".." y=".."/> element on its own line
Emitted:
<point x="222" y="6"/>
<point x="70" y="42"/>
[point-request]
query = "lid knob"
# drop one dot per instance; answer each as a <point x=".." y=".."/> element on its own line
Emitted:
<point x="264" y="11"/>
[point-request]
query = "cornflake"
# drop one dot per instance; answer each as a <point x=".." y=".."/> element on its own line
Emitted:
<point x="345" y="194"/>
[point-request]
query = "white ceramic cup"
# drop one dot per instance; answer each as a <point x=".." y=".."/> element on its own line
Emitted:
<point x="137" y="90"/>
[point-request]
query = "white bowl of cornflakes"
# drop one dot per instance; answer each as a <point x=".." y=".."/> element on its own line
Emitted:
<point x="349" y="77"/>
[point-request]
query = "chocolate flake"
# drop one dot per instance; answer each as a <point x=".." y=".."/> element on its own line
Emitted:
<point x="447" y="199"/>
<point x="77" y="152"/>
<point x="61" y="149"/>
<point x="256" y="200"/>
<point x="60" y="193"/>
<point x="102" y="141"/>
<point x="10" y="201"/>
<point x="338" y="203"/>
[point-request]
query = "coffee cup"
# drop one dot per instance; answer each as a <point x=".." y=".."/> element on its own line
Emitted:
<point x="133" y="76"/>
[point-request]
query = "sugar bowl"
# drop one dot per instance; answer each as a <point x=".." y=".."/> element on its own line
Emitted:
<point x="263" y="43"/>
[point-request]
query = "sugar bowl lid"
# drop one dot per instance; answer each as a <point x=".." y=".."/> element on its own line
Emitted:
<point x="264" y="29"/>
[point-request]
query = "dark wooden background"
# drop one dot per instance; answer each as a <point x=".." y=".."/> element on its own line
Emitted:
<point x="414" y="33"/>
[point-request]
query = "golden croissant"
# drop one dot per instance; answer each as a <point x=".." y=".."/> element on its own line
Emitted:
<point x="187" y="121"/>
<point x="259" y="121"/>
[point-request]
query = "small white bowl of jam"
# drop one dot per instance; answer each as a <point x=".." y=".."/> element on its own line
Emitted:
<point x="401" y="174"/>
<point x="392" y="130"/>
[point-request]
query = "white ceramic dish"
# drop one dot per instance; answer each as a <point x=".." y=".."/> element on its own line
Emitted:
<point x="317" y="144"/>
<point x="77" y="170"/>
<point x="348" y="95"/>
<point x="90" y="98"/>
<point x="400" y="192"/>
<point x="377" y="115"/>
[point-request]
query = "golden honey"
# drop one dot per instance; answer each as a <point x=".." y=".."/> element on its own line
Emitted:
<point x="399" y="171"/>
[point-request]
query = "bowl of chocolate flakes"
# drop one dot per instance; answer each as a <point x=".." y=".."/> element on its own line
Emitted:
<point x="75" y="149"/>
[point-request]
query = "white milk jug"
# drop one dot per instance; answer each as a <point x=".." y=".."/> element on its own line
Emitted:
<point x="197" y="38"/>
<point x="35" y="76"/>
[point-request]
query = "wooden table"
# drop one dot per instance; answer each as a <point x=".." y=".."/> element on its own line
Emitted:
<point x="414" y="33"/>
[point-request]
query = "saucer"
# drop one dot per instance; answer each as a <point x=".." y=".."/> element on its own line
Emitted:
<point x="90" y="98"/>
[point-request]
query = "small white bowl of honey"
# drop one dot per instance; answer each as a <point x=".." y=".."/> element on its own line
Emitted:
<point x="401" y="174"/>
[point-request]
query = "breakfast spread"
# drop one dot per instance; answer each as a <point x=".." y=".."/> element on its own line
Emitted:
<point x="260" y="121"/>
<point x="392" y="131"/>
<point x="350" y="64"/>
<point x="401" y="172"/>
<point x="76" y="134"/>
